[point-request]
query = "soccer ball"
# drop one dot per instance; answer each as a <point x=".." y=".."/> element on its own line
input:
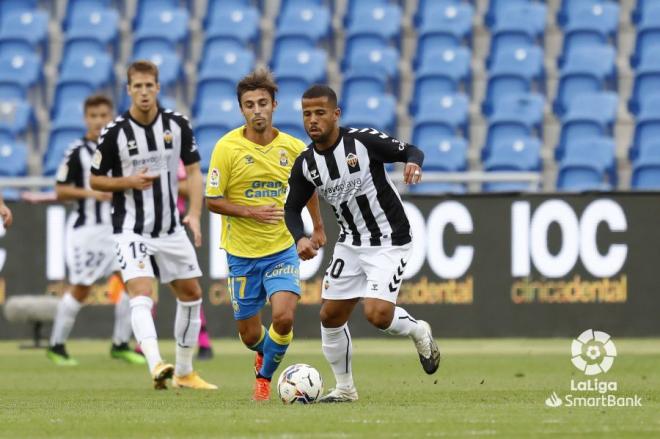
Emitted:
<point x="299" y="383"/>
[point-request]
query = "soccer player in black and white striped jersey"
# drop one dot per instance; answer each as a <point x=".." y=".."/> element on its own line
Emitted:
<point x="89" y="254"/>
<point x="346" y="167"/>
<point x="141" y="150"/>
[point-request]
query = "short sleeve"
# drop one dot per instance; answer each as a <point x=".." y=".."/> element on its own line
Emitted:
<point x="107" y="152"/>
<point x="189" y="150"/>
<point x="70" y="169"/>
<point x="219" y="171"/>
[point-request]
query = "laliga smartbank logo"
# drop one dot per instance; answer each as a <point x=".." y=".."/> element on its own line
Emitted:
<point x="593" y="353"/>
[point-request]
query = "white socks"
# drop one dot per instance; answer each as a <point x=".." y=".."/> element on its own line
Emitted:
<point x="122" y="330"/>
<point x="186" y="332"/>
<point x="403" y="324"/>
<point x="65" y="317"/>
<point x="338" y="350"/>
<point x="144" y="329"/>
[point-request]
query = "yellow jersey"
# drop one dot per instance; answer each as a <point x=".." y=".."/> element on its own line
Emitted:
<point x="249" y="174"/>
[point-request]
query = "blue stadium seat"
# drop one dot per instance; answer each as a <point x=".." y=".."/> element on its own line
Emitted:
<point x="70" y="92"/>
<point x="291" y="44"/>
<point x="13" y="156"/>
<point x="450" y="112"/>
<point x="288" y="117"/>
<point x="496" y="9"/>
<point x="601" y="17"/>
<point x="526" y="61"/>
<point x="60" y="139"/>
<point x="70" y="115"/>
<point x="355" y="7"/>
<point x="161" y="51"/>
<point x="310" y="65"/>
<point x="504" y="131"/>
<point x="589" y="70"/>
<point x="95" y="69"/>
<point x="382" y="20"/>
<point x="79" y="47"/>
<point x="646" y="168"/>
<point x="509" y="37"/>
<point x="521" y="154"/>
<point x="445" y="27"/>
<point x="225" y="111"/>
<point x="169" y="24"/>
<point x="238" y="22"/>
<point x="446" y="154"/>
<point x="207" y="135"/>
<point x="83" y="8"/>
<point x="101" y="25"/>
<point x="363" y="83"/>
<point x="213" y="6"/>
<point x="528" y="108"/>
<point x="218" y="46"/>
<point x="145" y="7"/>
<point x="442" y="73"/>
<point x="647" y="81"/>
<point x="648" y="35"/>
<point x="570" y="7"/>
<point x="647" y="127"/>
<point x="30" y="26"/>
<point x="592" y="115"/>
<point x="17" y="117"/>
<point x="313" y="22"/>
<point x="520" y="11"/>
<point x="23" y="71"/>
<point x="385" y="59"/>
<point x="638" y="12"/>
<point x="11" y="6"/>
<point x="502" y="86"/>
<point x="16" y="46"/>
<point x="212" y="90"/>
<point x="585" y="166"/>
<point x="231" y="65"/>
<point x="373" y="112"/>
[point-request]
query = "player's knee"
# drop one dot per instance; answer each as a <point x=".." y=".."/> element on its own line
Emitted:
<point x="283" y="322"/>
<point x="250" y="337"/>
<point x="330" y="320"/>
<point x="380" y="317"/>
<point x="190" y="293"/>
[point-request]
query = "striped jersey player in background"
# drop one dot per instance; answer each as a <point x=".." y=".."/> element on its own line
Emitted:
<point x="137" y="159"/>
<point x="89" y="250"/>
<point x="246" y="184"/>
<point x="346" y="167"/>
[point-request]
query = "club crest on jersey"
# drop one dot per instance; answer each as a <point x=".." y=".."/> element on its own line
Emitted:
<point x="167" y="136"/>
<point x="284" y="160"/>
<point x="352" y="160"/>
<point x="96" y="160"/>
<point x="132" y="144"/>
<point x="249" y="160"/>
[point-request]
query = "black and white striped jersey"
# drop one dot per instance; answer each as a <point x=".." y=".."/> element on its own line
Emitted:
<point x="351" y="177"/>
<point x="125" y="148"/>
<point x="75" y="170"/>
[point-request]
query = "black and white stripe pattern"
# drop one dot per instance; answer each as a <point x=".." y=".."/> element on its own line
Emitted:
<point x="351" y="177"/>
<point x="126" y="148"/>
<point x="75" y="170"/>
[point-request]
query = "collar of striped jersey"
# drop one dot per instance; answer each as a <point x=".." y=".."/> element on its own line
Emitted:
<point x="330" y="150"/>
<point x="127" y="115"/>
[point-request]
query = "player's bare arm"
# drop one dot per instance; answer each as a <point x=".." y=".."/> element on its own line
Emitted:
<point x="68" y="192"/>
<point x="141" y="181"/>
<point x="195" y="188"/>
<point x="270" y="214"/>
<point x="318" y="237"/>
<point x="5" y="214"/>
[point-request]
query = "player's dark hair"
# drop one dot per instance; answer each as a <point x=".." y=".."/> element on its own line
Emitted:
<point x="321" y="91"/>
<point x="256" y="80"/>
<point x="142" y="66"/>
<point x="97" y="100"/>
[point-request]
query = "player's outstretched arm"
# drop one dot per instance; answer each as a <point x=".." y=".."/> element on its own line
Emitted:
<point x="67" y="192"/>
<point x="5" y="214"/>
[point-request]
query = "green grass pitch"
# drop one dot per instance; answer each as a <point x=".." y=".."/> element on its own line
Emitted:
<point x="484" y="388"/>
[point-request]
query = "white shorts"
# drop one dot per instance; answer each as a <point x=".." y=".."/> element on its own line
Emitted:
<point x="375" y="272"/>
<point x="89" y="253"/>
<point x="173" y="255"/>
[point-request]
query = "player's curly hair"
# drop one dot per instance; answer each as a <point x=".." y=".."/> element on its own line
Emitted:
<point x="142" y="66"/>
<point x="259" y="79"/>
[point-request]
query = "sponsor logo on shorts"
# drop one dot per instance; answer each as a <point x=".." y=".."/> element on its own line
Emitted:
<point x="283" y="270"/>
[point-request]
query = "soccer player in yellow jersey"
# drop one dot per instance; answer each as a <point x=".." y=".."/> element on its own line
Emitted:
<point x="247" y="185"/>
